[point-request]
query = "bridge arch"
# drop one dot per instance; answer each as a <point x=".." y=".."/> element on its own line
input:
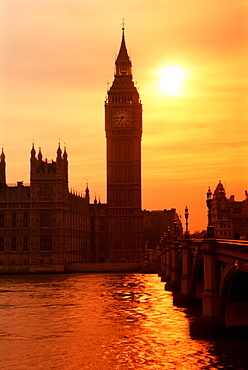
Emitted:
<point x="234" y="298"/>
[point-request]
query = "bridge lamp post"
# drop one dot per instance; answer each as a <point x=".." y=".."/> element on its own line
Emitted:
<point x="164" y="240"/>
<point x="175" y="229"/>
<point x="209" y="201"/>
<point x="186" y="214"/>
<point x="163" y="243"/>
<point x="163" y="249"/>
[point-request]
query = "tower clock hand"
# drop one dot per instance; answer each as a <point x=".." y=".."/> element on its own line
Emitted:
<point x="118" y="120"/>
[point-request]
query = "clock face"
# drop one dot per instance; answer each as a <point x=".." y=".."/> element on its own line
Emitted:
<point x="121" y="117"/>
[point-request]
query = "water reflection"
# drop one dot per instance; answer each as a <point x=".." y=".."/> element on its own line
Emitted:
<point x="101" y="321"/>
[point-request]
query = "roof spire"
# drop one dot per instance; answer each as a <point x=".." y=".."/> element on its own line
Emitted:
<point x="40" y="154"/>
<point x="2" y="157"/>
<point x="65" y="153"/>
<point x="123" y="25"/>
<point x="123" y="62"/>
<point x="33" y="152"/>
<point x="87" y="192"/>
<point x="59" y="151"/>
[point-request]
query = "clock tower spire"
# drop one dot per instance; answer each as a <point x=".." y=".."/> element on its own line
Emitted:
<point x="123" y="126"/>
<point x="123" y="63"/>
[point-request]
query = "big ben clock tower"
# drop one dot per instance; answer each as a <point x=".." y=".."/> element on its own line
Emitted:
<point x="123" y="125"/>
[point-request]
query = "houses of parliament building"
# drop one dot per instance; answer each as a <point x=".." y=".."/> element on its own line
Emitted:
<point x="45" y="227"/>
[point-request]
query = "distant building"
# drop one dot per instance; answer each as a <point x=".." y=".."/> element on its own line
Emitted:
<point x="230" y="217"/>
<point x="44" y="227"/>
<point x="156" y="223"/>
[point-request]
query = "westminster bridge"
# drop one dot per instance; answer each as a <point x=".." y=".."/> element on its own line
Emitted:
<point x="211" y="272"/>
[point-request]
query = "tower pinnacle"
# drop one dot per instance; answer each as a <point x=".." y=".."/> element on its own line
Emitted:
<point x="123" y="63"/>
<point x="2" y="169"/>
<point x="59" y="152"/>
<point x="123" y="25"/>
<point x="2" y="156"/>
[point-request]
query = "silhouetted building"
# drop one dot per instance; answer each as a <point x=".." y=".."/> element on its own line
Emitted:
<point x="43" y="226"/>
<point x="46" y="227"/>
<point x="229" y="217"/>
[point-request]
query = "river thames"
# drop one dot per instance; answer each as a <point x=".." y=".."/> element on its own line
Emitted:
<point x="102" y="322"/>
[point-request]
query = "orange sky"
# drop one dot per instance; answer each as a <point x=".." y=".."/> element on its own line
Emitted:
<point x="56" y="58"/>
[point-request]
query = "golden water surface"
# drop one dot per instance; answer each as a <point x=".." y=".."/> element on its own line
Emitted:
<point x="101" y="321"/>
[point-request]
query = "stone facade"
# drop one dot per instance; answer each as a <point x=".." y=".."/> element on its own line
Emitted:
<point x="229" y="217"/>
<point x="43" y="226"/>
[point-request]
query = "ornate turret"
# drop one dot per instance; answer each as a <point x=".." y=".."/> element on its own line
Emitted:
<point x="41" y="170"/>
<point x="40" y="154"/>
<point x="87" y="192"/>
<point x="220" y="190"/>
<point x="65" y="156"/>
<point x="2" y="169"/>
<point x="59" y="153"/>
<point x="33" y="152"/>
<point x="2" y="157"/>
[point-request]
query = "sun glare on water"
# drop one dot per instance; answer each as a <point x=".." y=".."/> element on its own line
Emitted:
<point x="171" y="79"/>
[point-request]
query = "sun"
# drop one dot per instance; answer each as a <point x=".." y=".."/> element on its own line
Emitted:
<point x="171" y="79"/>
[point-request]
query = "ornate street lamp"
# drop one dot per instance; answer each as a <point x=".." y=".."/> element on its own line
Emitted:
<point x="209" y="201"/>
<point x="186" y="214"/>
<point x="168" y="234"/>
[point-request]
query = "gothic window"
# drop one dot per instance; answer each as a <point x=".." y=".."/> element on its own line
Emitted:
<point x="13" y="244"/>
<point x="1" y="243"/>
<point x="25" y="219"/>
<point x="1" y="219"/>
<point x="13" y="219"/>
<point x="25" y="243"/>
<point x="46" y="243"/>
